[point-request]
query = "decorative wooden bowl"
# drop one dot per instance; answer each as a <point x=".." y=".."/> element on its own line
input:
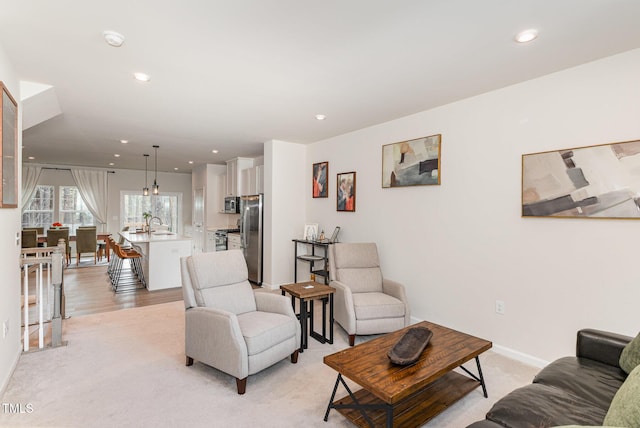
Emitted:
<point x="407" y="350"/>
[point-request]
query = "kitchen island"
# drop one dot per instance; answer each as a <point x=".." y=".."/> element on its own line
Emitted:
<point x="161" y="252"/>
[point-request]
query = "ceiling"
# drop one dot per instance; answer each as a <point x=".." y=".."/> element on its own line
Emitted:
<point x="230" y="75"/>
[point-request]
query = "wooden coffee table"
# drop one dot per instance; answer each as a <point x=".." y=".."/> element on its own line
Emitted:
<point x="405" y="396"/>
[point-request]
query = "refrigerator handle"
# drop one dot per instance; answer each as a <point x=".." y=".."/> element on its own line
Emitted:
<point x="243" y="229"/>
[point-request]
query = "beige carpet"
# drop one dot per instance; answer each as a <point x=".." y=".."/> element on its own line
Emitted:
<point x="126" y="369"/>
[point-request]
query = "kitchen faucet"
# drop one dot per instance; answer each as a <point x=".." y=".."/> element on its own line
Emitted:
<point x="155" y="218"/>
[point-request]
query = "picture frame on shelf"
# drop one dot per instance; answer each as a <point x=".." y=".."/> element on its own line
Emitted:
<point x="320" y="180"/>
<point x="412" y="163"/>
<point x="310" y="231"/>
<point x="599" y="181"/>
<point x="346" y="192"/>
<point x="8" y="149"/>
<point x="334" y="236"/>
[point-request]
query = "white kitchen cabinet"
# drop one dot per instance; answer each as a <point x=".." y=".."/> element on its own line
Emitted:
<point x="233" y="241"/>
<point x="260" y="179"/>
<point x="234" y="175"/>
<point x="253" y="180"/>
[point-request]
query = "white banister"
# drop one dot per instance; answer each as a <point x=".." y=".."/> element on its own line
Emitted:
<point x="35" y="259"/>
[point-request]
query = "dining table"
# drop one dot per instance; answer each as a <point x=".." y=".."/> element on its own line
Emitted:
<point x="101" y="236"/>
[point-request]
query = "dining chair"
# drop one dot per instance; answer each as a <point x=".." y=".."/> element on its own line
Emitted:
<point x="86" y="242"/>
<point x="102" y="244"/>
<point x="54" y="235"/>
<point x="29" y="238"/>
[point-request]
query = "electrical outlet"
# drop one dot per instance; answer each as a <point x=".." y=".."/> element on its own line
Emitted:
<point x="500" y="307"/>
<point x="5" y="328"/>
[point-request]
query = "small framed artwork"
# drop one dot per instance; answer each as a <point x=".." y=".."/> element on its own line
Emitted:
<point x="320" y="180"/>
<point x="9" y="149"/>
<point x="311" y="231"/>
<point x="600" y="181"/>
<point x="411" y="163"/>
<point x="346" y="194"/>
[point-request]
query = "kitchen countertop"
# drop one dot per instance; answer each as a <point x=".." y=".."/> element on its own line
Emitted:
<point x="160" y="236"/>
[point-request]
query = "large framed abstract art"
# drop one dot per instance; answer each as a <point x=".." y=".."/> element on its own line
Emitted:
<point x="411" y="163"/>
<point x="601" y="181"/>
<point x="8" y="149"/>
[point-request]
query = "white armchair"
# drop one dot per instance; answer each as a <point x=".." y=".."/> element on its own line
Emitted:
<point x="229" y="326"/>
<point x="365" y="302"/>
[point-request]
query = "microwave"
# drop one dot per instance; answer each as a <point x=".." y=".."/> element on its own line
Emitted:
<point x="231" y="204"/>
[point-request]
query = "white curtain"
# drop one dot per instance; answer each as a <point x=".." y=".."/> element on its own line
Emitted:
<point x="92" y="186"/>
<point x="30" y="176"/>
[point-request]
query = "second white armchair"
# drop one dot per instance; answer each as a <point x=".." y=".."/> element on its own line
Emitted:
<point x="365" y="302"/>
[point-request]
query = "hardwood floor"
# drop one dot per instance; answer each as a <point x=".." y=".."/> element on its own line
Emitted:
<point x="88" y="291"/>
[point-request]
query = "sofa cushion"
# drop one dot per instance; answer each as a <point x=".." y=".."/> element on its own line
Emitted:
<point x="262" y="330"/>
<point x="591" y="380"/>
<point x="542" y="406"/>
<point x="625" y="407"/>
<point x="377" y="305"/>
<point x="630" y="356"/>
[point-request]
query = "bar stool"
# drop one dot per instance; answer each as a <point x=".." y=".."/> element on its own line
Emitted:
<point x="119" y="277"/>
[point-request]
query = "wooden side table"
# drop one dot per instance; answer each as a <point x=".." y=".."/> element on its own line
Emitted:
<point x="309" y="291"/>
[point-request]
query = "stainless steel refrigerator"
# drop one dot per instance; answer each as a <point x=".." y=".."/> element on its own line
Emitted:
<point x="251" y="234"/>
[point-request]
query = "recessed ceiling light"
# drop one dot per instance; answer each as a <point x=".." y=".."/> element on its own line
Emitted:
<point x="526" y="35"/>
<point x="111" y="164"/>
<point x="321" y="116"/>
<point x="31" y="158"/>
<point x="116" y="155"/>
<point x="190" y="162"/>
<point x="114" y="39"/>
<point x="124" y="141"/>
<point x="175" y="169"/>
<point x="214" y="151"/>
<point x="142" y="77"/>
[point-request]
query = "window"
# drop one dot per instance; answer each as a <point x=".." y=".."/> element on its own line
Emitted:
<point x="39" y="212"/>
<point x="73" y="211"/>
<point x="166" y="207"/>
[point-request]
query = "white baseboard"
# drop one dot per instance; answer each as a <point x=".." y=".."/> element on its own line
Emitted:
<point x="509" y="353"/>
<point x="9" y="374"/>
<point x="519" y="356"/>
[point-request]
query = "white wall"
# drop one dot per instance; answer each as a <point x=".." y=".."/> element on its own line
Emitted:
<point x="10" y="250"/>
<point x="461" y="245"/>
<point x="130" y="180"/>
<point x="284" y="208"/>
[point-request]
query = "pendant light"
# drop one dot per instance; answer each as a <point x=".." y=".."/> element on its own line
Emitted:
<point x="145" y="189"/>
<point x="155" y="187"/>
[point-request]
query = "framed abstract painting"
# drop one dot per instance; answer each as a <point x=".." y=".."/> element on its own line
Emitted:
<point x="601" y="181"/>
<point x="411" y="163"/>
<point x="9" y="149"/>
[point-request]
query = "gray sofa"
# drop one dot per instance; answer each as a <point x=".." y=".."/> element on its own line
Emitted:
<point x="569" y="391"/>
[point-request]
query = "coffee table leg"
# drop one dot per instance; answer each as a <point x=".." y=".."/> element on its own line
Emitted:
<point x="484" y="386"/>
<point x="479" y="378"/>
<point x="356" y="405"/>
